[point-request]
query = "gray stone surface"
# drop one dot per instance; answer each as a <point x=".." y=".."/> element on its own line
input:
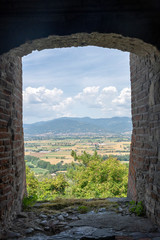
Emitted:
<point x="29" y="230"/>
<point x="102" y="224"/>
<point x="114" y="220"/>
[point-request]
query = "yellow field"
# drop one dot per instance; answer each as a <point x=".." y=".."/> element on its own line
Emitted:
<point x="55" y="151"/>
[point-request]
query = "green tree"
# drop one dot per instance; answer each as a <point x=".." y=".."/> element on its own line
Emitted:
<point x="91" y="176"/>
<point x="95" y="177"/>
<point x="31" y="182"/>
<point x="32" y="186"/>
<point x="53" y="187"/>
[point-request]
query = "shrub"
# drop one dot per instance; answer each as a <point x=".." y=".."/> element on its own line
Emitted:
<point x="83" y="209"/>
<point x="137" y="208"/>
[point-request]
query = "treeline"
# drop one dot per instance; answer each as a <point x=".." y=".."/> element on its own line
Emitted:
<point x="52" y="168"/>
<point x="119" y="157"/>
<point x="90" y="177"/>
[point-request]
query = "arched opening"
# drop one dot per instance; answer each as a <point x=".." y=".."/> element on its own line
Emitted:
<point x="77" y="89"/>
<point x="144" y="63"/>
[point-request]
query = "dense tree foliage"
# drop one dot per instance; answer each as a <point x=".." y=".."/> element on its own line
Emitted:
<point x="51" y="188"/>
<point x="52" y="168"/>
<point x="95" y="177"/>
<point x="44" y="189"/>
<point x="31" y="182"/>
<point x="90" y="177"/>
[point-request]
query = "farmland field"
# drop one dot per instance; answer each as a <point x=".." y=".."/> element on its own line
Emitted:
<point x="50" y="163"/>
<point x="59" y="149"/>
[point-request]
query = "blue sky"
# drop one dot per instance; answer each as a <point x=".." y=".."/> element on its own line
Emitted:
<point x="76" y="82"/>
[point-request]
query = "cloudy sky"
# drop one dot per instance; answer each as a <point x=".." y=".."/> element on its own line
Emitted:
<point x="75" y="82"/>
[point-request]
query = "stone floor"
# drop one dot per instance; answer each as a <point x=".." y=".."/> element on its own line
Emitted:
<point x="110" y="219"/>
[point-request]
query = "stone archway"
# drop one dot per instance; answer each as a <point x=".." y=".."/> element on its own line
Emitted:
<point x="112" y="40"/>
<point x="145" y="109"/>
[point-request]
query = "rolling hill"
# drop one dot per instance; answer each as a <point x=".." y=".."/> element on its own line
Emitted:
<point x="67" y="125"/>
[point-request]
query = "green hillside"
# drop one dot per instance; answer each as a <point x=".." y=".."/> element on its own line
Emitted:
<point x="79" y="125"/>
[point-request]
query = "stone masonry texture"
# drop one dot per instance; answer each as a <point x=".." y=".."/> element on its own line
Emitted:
<point x="12" y="177"/>
<point x="144" y="172"/>
<point x="28" y="20"/>
<point x="131" y="26"/>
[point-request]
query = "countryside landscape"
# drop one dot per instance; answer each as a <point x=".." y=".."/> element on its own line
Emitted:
<point x="53" y="141"/>
<point x="59" y="149"/>
<point x="77" y="123"/>
<point x="72" y="163"/>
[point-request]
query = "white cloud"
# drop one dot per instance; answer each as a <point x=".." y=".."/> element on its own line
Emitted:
<point x="109" y="90"/>
<point x="108" y="100"/>
<point x="91" y="90"/>
<point x="106" y="95"/>
<point x="63" y="105"/>
<point x="41" y="95"/>
<point x="44" y="104"/>
<point x="89" y="81"/>
<point x="124" y="97"/>
<point x="87" y="92"/>
<point x="88" y="96"/>
<point x="119" y="104"/>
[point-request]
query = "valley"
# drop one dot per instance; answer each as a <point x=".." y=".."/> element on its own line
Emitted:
<point x="59" y="148"/>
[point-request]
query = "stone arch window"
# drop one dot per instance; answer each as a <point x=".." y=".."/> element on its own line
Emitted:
<point x="145" y="149"/>
<point x="48" y="80"/>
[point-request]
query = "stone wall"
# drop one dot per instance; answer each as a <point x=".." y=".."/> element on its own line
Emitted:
<point x="12" y="181"/>
<point x="144" y="163"/>
<point x="25" y="21"/>
<point x="125" y="25"/>
<point x="144" y="172"/>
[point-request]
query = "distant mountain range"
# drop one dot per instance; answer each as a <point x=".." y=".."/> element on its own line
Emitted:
<point x="68" y="125"/>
